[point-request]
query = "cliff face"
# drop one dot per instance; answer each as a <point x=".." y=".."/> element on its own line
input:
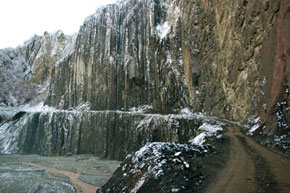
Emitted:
<point x="43" y="52"/>
<point x="127" y="55"/>
<point x="225" y="58"/>
<point x="25" y="71"/>
<point x="243" y="59"/>
<point x="109" y="134"/>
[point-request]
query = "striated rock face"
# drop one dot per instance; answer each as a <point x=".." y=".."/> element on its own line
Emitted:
<point x="127" y="55"/>
<point x="110" y="134"/>
<point x="44" y="52"/>
<point x="219" y="57"/>
<point x="25" y="71"/>
<point x="226" y="58"/>
<point x="239" y="43"/>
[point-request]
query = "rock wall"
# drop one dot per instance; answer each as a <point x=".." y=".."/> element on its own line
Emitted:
<point x="109" y="134"/>
<point x="43" y="52"/>
<point x="225" y="58"/>
<point x="238" y="40"/>
<point x="244" y="60"/>
<point x="127" y="55"/>
<point x="221" y="57"/>
<point x="25" y="71"/>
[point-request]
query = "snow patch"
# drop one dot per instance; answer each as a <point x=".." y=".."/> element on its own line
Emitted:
<point x="84" y="107"/>
<point x="212" y="129"/>
<point x="254" y="124"/>
<point x="38" y="108"/>
<point x="199" y="140"/>
<point x="163" y="30"/>
<point x="208" y="130"/>
<point x="186" y="111"/>
<point x="141" y="109"/>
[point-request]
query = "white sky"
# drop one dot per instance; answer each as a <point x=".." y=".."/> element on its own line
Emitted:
<point x="21" y="19"/>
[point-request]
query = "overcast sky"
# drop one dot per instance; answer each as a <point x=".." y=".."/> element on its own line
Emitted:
<point x="21" y="19"/>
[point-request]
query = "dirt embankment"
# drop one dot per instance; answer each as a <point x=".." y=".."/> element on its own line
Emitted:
<point x="251" y="168"/>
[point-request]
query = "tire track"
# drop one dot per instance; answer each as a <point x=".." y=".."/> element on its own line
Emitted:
<point x="264" y="177"/>
<point x="239" y="174"/>
<point x="278" y="165"/>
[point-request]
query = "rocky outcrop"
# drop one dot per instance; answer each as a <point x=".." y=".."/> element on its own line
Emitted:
<point x="220" y="57"/>
<point x="239" y="43"/>
<point x="127" y="55"/>
<point x="42" y="53"/>
<point x="25" y="71"/>
<point x="159" y="167"/>
<point x="109" y="134"/>
<point x="224" y="58"/>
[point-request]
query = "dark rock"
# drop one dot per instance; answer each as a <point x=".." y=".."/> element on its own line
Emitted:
<point x="157" y="168"/>
<point x="109" y="134"/>
<point x="18" y="116"/>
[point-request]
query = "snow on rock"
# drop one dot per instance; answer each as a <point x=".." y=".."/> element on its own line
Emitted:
<point x="199" y="140"/>
<point x="163" y="30"/>
<point x="253" y="129"/>
<point x="9" y="134"/>
<point x="38" y="108"/>
<point x="208" y="130"/>
<point x="84" y="107"/>
<point x="186" y="111"/>
<point x="253" y="124"/>
<point x="212" y="129"/>
<point x="152" y="167"/>
<point x="141" y="109"/>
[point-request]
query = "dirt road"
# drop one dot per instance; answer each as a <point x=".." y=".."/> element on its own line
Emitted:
<point x="251" y="168"/>
<point x="80" y="186"/>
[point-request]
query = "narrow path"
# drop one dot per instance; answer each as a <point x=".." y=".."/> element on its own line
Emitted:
<point x="239" y="174"/>
<point x="251" y="168"/>
<point x="80" y="186"/>
<point x="279" y="166"/>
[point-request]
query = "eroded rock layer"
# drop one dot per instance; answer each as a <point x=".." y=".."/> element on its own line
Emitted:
<point x="107" y="134"/>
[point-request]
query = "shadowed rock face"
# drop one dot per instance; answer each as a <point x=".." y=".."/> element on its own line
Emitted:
<point x="107" y="134"/>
